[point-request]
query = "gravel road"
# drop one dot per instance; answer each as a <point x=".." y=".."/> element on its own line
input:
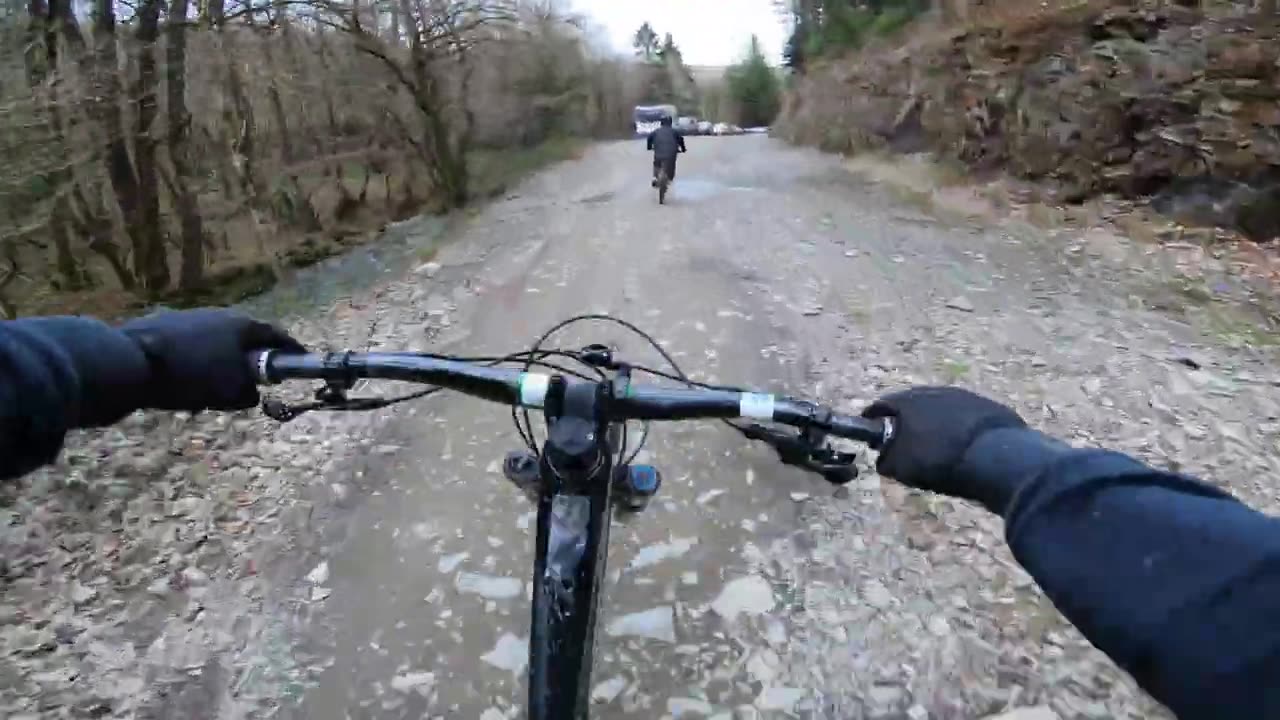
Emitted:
<point x="376" y="566"/>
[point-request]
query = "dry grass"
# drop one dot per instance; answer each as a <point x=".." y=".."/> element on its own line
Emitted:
<point x="496" y="171"/>
<point x="1043" y="216"/>
<point x="1013" y="18"/>
<point x="1137" y="227"/>
<point x="1028" y="17"/>
<point x="248" y="259"/>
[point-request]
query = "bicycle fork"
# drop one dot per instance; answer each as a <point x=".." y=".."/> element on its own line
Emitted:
<point x="634" y="485"/>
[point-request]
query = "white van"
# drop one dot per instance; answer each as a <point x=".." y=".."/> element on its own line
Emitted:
<point x="649" y="117"/>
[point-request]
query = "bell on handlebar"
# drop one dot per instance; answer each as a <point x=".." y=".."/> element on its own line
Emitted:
<point x="278" y="410"/>
<point x="521" y="468"/>
<point x="597" y="355"/>
<point x="634" y="486"/>
<point x="840" y="474"/>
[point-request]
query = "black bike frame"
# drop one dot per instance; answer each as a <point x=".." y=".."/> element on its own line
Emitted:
<point x="570" y="554"/>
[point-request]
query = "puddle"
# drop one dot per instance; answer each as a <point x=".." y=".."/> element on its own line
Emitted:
<point x="658" y="552"/>
<point x="510" y="654"/>
<point x="402" y="245"/>
<point x="493" y="587"/>
<point x="599" y="198"/>
<point x="654" y="624"/>
<point x="701" y="188"/>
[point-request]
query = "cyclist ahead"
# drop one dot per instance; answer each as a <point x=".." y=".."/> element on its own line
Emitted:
<point x="666" y="142"/>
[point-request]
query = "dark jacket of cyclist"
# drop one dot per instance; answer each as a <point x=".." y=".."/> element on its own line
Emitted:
<point x="666" y="143"/>
<point x="1175" y="580"/>
<point x="1178" y="582"/>
<point x="62" y="373"/>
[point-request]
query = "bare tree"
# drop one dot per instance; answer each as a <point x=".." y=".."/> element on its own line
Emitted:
<point x="191" y="273"/>
<point x="150" y="259"/>
<point x="134" y="142"/>
<point x="440" y="35"/>
<point x="41" y="60"/>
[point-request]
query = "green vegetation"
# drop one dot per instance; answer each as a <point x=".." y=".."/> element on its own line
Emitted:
<point x="494" y="171"/>
<point x="715" y="102"/>
<point x="754" y="87"/>
<point x="1236" y="331"/>
<point x="830" y="27"/>
<point x="953" y="371"/>
<point x="646" y="42"/>
<point x="667" y="79"/>
<point x="1236" y="322"/>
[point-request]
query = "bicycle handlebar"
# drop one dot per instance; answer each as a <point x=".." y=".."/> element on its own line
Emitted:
<point x="529" y="389"/>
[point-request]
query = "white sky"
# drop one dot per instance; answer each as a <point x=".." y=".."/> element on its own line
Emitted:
<point x="708" y="32"/>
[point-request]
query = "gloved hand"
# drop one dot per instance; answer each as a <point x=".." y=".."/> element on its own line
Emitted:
<point x="197" y="357"/>
<point x="933" y="428"/>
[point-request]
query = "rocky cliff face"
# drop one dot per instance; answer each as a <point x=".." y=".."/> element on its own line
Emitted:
<point x="1166" y="104"/>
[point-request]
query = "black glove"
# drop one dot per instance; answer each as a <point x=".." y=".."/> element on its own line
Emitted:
<point x="933" y="428"/>
<point x="197" y="357"/>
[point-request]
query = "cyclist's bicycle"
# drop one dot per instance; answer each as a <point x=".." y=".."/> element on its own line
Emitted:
<point x="663" y="172"/>
<point x="663" y="182"/>
<point x="583" y="472"/>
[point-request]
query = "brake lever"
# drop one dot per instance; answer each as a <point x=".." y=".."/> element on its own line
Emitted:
<point x="807" y="450"/>
<point x="331" y="396"/>
<point x="283" y="412"/>
<point x="837" y="468"/>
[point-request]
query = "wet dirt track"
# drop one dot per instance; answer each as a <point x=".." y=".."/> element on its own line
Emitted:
<point x="747" y="588"/>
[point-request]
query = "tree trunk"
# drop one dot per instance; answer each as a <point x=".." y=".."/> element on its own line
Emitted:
<point x="150" y="258"/>
<point x="238" y="118"/>
<point x="10" y="273"/>
<point x="331" y="111"/>
<point x="126" y="178"/>
<point x="287" y="156"/>
<point x="86" y="222"/>
<point x="101" y="101"/>
<point x="63" y="259"/>
<point x="46" y="23"/>
<point x="191" y="273"/>
<point x="35" y="56"/>
<point x="449" y="166"/>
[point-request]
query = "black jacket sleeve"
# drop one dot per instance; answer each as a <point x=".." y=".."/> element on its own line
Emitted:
<point x="60" y="373"/>
<point x="1175" y="580"/>
<point x="680" y="141"/>
<point x="649" y="145"/>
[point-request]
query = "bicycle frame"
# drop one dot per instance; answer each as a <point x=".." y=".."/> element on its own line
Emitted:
<point x="576" y="470"/>
<point x="663" y="183"/>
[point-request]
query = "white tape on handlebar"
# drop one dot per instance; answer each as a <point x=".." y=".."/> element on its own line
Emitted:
<point x="755" y="405"/>
<point x="533" y="389"/>
<point x="264" y="360"/>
